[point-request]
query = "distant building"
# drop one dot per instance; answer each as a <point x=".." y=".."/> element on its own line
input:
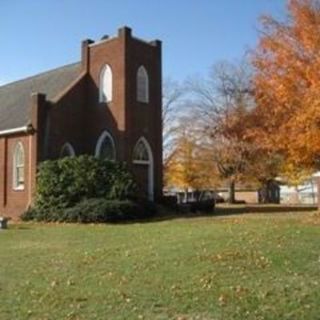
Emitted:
<point x="108" y="105"/>
<point x="305" y="193"/>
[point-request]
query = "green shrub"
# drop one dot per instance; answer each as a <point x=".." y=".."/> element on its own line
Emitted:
<point x="147" y="209"/>
<point x="101" y="210"/>
<point x="30" y="214"/>
<point x="206" y="206"/>
<point x="65" y="182"/>
<point x="86" y="189"/>
<point x="35" y="214"/>
<point x="95" y="210"/>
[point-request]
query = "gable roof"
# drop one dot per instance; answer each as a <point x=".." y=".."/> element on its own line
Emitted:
<point x="15" y="108"/>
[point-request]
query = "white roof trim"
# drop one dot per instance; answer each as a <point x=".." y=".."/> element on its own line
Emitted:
<point x="24" y="129"/>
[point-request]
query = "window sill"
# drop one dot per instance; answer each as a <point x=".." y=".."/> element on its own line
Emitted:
<point x="105" y="102"/>
<point x="21" y="188"/>
<point x="143" y="102"/>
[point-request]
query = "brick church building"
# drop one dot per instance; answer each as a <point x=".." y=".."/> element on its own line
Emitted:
<point x="107" y="105"/>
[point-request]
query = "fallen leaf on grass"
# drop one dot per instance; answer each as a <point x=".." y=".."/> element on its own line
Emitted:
<point x="222" y="299"/>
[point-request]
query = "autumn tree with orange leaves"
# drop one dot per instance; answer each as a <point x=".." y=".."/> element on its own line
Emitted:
<point x="187" y="168"/>
<point x="287" y="85"/>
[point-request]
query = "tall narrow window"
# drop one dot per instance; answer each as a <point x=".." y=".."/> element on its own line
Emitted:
<point x="143" y="157"/>
<point x="105" y="148"/>
<point x="18" y="167"/>
<point x="142" y="85"/>
<point x="105" y="85"/>
<point x="140" y="152"/>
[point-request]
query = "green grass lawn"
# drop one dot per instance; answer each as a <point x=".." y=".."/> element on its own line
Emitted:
<point x="251" y="266"/>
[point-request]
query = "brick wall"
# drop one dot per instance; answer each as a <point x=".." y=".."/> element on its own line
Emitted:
<point x="14" y="202"/>
<point x="79" y="118"/>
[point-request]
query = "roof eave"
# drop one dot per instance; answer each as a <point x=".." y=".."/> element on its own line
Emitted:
<point x="24" y="129"/>
<point x="67" y="89"/>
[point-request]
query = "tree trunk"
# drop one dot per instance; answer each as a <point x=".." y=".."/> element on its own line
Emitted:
<point x="318" y="191"/>
<point x="296" y="195"/>
<point x="264" y="193"/>
<point x="186" y="195"/>
<point x="197" y="195"/>
<point x="269" y="192"/>
<point x="232" y="197"/>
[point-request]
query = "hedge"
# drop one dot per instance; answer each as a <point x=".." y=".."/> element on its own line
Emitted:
<point x="65" y="182"/>
<point x="85" y="189"/>
<point x="96" y="210"/>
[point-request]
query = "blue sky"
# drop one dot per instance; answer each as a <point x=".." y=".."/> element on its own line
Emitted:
<point x="37" y="35"/>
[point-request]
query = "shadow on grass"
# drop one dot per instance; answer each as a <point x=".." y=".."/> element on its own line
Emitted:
<point x="221" y="210"/>
<point x="18" y="227"/>
<point x="227" y="210"/>
<point x="245" y="209"/>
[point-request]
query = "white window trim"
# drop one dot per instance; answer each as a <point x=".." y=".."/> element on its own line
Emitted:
<point x="105" y="134"/>
<point x="103" y="95"/>
<point x="70" y="148"/>
<point x="15" y="182"/>
<point x="143" y="71"/>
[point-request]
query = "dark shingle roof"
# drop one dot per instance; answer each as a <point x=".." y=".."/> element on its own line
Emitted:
<point x="15" y="96"/>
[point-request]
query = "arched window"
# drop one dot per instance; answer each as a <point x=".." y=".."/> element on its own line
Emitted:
<point x="142" y="155"/>
<point x="105" y="85"/>
<point x="142" y="85"/>
<point x="105" y="148"/>
<point x="18" y="167"/>
<point x="67" y="151"/>
<point x="140" y="152"/>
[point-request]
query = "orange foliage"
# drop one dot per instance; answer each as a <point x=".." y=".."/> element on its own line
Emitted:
<point x="287" y="84"/>
<point x="188" y="166"/>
